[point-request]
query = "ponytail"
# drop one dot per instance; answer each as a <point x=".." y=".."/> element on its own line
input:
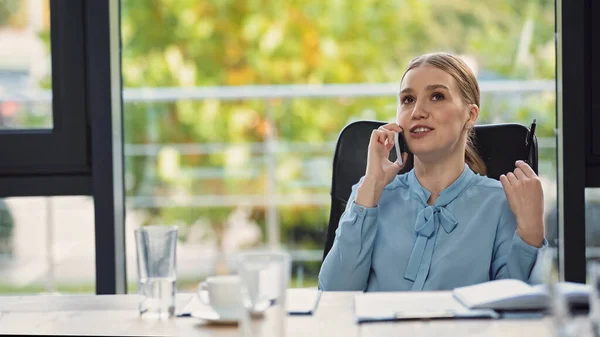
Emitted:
<point x="472" y="157"/>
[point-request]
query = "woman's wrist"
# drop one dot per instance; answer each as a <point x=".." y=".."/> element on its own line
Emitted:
<point x="368" y="193"/>
<point x="531" y="232"/>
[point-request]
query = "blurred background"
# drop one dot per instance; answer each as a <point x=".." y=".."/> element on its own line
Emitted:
<point x="232" y="109"/>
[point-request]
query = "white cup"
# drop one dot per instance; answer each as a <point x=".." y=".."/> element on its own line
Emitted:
<point x="223" y="295"/>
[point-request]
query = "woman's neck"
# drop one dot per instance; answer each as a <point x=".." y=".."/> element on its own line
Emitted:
<point x="435" y="176"/>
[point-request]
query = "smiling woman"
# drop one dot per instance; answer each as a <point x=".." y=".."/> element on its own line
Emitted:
<point x="443" y="224"/>
<point x="455" y="86"/>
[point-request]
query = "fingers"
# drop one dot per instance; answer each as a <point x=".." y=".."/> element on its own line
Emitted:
<point x="521" y="179"/>
<point x="391" y="130"/>
<point x="386" y="132"/>
<point x="508" y="183"/>
<point x="526" y="169"/>
<point x="389" y="135"/>
<point x="520" y="174"/>
<point x="393" y="127"/>
<point x="374" y="136"/>
<point x="512" y="178"/>
<point x="504" y="181"/>
<point x="378" y="136"/>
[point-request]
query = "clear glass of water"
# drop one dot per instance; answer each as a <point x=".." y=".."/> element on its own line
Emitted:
<point x="264" y="277"/>
<point x="157" y="270"/>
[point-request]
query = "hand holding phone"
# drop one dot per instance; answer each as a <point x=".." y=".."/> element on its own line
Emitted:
<point x="380" y="170"/>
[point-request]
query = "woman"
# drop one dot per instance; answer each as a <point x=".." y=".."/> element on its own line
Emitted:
<point x="444" y="224"/>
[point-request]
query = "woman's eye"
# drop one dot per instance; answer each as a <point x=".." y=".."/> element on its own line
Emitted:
<point x="437" y="97"/>
<point x="407" y="100"/>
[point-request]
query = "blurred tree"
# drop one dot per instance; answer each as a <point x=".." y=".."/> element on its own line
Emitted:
<point x="9" y="10"/>
<point x="189" y="43"/>
<point x="6" y="231"/>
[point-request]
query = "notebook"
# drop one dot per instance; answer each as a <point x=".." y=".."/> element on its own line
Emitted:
<point x="391" y="306"/>
<point x="512" y="294"/>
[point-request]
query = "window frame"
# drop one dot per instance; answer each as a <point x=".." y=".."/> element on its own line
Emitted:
<point x="54" y="161"/>
<point x="83" y="153"/>
<point x="573" y="96"/>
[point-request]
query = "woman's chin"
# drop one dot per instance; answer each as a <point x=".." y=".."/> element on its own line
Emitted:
<point x="420" y="151"/>
<point x="426" y="155"/>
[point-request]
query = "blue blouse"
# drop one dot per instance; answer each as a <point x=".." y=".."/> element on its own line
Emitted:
<point x="467" y="236"/>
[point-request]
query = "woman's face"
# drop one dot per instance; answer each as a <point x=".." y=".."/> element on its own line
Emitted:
<point x="432" y="113"/>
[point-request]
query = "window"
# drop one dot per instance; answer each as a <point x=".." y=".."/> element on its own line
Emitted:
<point x="232" y="112"/>
<point x="46" y="245"/>
<point x="42" y="112"/>
<point x="53" y="157"/>
<point x="25" y="74"/>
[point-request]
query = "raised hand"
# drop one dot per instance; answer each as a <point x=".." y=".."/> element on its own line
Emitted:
<point x="523" y="190"/>
<point x="380" y="170"/>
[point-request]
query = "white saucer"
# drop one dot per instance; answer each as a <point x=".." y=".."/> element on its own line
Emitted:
<point x="213" y="317"/>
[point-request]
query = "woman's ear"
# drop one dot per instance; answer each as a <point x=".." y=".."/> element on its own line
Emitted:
<point x="473" y="113"/>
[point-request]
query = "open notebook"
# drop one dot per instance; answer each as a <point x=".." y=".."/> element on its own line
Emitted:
<point x="512" y="294"/>
<point x="390" y="306"/>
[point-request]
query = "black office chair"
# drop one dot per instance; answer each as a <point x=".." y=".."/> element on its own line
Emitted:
<point x="499" y="145"/>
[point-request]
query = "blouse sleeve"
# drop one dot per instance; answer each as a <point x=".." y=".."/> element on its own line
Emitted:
<point x="513" y="257"/>
<point x="348" y="263"/>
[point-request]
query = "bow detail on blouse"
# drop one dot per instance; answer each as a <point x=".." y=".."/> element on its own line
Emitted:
<point x="429" y="219"/>
<point x="425" y="226"/>
<point x="426" y="219"/>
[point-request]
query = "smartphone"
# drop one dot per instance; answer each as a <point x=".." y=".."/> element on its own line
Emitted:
<point x="400" y="145"/>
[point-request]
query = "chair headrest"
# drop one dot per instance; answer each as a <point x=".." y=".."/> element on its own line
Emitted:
<point x="499" y="145"/>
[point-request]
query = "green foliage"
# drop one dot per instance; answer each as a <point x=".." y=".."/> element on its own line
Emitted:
<point x="187" y="43"/>
<point x="7" y="225"/>
<point x="8" y="10"/>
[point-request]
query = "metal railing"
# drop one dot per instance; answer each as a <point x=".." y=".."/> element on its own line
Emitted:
<point x="170" y="94"/>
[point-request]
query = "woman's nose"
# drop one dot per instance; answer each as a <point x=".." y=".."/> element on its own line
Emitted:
<point x="419" y="112"/>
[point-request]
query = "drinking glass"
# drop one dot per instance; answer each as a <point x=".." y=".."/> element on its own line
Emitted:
<point x="157" y="270"/>
<point x="265" y="277"/>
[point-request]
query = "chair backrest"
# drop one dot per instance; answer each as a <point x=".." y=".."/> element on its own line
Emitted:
<point x="499" y="145"/>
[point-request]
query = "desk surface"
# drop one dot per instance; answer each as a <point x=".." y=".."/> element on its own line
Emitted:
<point x="117" y="315"/>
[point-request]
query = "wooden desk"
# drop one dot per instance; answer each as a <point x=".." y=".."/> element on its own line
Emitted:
<point x="117" y="315"/>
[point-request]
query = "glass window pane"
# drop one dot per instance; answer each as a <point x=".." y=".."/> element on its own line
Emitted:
<point x="25" y="67"/>
<point x="209" y="149"/>
<point x="47" y="245"/>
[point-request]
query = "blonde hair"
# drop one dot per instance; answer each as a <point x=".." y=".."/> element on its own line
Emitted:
<point x="469" y="91"/>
